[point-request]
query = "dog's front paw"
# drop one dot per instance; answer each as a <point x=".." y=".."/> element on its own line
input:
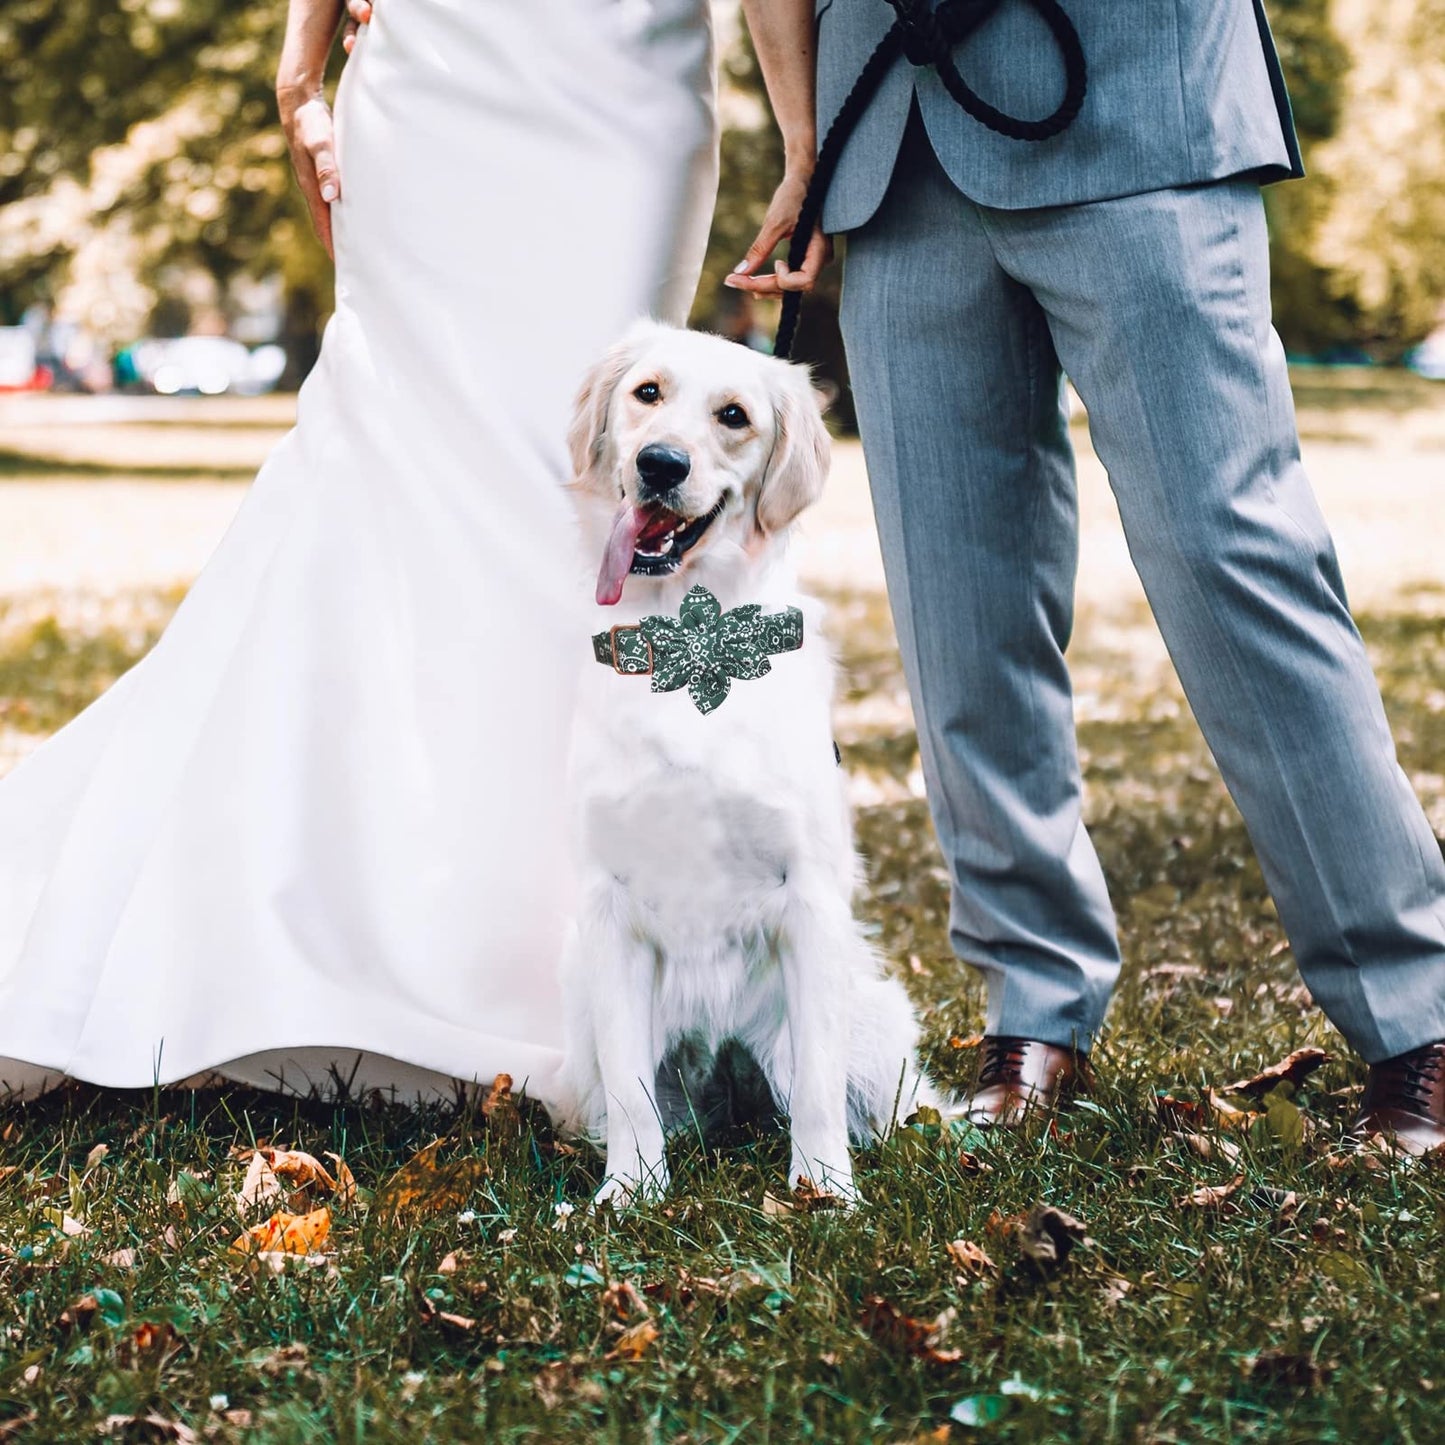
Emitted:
<point x="623" y="1191"/>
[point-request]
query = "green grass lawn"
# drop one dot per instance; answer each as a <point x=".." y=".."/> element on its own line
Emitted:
<point x="1305" y="1306"/>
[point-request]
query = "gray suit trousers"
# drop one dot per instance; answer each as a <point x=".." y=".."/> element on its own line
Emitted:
<point x="957" y="319"/>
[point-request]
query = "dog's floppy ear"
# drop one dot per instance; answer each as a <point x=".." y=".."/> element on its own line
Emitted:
<point x="801" y="451"/>
<point x="587" y="436"/>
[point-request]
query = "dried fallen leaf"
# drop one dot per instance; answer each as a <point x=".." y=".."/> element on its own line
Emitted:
<point x="15" y="1424"/>
<point x="901" y="1332"/>
<point x="970" y="1258"/>
<point x="1211" y="1196"/>
<point x="1115" y="1288"/>
<point x="622" y="1299"/>
<point x="1293" y="1070"/>
<point x="1208" y="1146"/>
<point x="95" y="1156"/>
<point x="121" y="1258"/>
<point x="1048" y="1236"/>
<point x="285" y="1233"/>
<point x="684" y="1288"/>
<point x="274" y="1170"/>
<point x="155" y="1427"/>
<point x="300" y="1169"/>
<point x="564" y="1380"/>
<point x="1189" y="1118"/>
<point x="288" y="1359"/>
<point x="345" y="1181"/>
<point x="499" y="1108"/>
<point x="260" y="1184"/>
<point x="425" y="1185"/>
<point x="1284" y="1202"/>
<point x="635" y="1342"/>
<point x="78" y="1314"/>
<point x="149" y="1344"/>
<point x="806" y="1198"/>
<point x="956" y="1041"/>
<point x="1224" y="1115"/>
<point x="1290" y="1371"/>
<point x="1180" y="1114"/>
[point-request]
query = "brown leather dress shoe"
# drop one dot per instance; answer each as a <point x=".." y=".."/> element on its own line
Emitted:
<point x="1405" y="1100"/>
<point x="1019" y="1075"/>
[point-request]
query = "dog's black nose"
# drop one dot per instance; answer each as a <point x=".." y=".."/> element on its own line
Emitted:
<point x="661" y="468"/>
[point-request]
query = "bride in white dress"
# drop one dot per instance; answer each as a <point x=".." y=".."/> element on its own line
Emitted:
<point x="317" y="832"/>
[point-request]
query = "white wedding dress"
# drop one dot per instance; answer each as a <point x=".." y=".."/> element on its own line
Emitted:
<point x="318" y="831"/>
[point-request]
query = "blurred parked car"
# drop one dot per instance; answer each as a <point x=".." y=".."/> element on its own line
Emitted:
<point x="75" y="360"/>
<point x="20" y="368"/>
<point x="199" y="365"/>
<point x="1428" y="358"/>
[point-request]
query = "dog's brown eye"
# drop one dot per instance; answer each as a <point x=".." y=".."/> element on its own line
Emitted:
<point x="733" y="416"/>
<point x="648" y="393"/>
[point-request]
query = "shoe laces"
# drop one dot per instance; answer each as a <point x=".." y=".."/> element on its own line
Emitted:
<point x="1002" y="1059"/>
<point x="1413" y="1078"/>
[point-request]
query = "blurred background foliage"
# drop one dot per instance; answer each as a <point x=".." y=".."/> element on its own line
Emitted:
<point x="142" y="173"/>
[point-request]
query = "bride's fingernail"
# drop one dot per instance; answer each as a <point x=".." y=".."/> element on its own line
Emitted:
<point x="740" y="268"/>
<point x="328" y="193"/>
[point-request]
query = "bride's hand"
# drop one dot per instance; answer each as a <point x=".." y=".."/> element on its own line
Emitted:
<point x="312" y="139"/>
<point x="358" y="13"/>
<point x="305" y="115"/>
<point x="778" y="225"/>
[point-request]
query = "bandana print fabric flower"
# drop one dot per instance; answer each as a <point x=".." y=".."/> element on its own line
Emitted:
<point x="705" y="648"/>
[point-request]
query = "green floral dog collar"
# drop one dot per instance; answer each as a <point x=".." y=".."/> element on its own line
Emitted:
<point x="703" y="649"/>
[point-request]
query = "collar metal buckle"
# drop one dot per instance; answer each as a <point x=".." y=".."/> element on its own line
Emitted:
<point x="616" y="660"/>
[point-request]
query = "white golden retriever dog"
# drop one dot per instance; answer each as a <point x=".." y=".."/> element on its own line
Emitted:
<point x="716" y="854"/>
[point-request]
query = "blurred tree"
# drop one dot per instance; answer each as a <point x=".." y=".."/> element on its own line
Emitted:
<point x="1358" y="248"/>
<point x="214" y="189"/>
<point x="1315" y="63"/>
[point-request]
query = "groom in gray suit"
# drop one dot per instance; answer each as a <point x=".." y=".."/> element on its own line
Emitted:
<point x="1130" y="252"/>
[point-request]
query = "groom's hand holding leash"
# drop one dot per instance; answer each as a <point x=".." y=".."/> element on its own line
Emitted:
<point x="783" y="33"/>
<point x="301" y="98"/>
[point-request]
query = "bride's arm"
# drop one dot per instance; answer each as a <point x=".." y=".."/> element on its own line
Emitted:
<point x="305" y="116"/>
<point x="783" y="34"/>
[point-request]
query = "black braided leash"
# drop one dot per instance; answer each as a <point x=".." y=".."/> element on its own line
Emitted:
<point x="924" y="36"/>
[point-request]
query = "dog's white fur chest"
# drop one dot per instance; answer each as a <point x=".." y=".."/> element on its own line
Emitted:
<point x="697" y="823"/>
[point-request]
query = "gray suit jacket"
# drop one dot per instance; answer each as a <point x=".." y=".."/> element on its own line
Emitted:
<point x="1180" y="91"/>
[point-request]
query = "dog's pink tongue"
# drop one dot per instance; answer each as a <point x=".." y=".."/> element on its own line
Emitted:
<point x="617" y="559"/>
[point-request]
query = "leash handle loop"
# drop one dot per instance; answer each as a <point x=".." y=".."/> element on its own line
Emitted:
<point x="925" y="37"/>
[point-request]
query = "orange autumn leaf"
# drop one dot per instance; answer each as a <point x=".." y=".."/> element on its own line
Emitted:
<point x="287" y="1234"/>
<point x="499" y="1108"/>
<point x="633" y="1343"/>
<point x="427" y="1185"/>
<point x="908" y="1336"/>
<point x="970" y="1257"/>
<point x="299" y="1169"/>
